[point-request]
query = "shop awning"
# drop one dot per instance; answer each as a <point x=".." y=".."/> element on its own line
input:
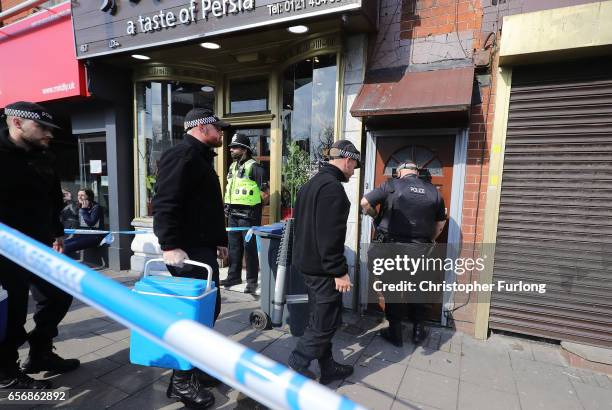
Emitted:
<point x="38" y="58"/>
<point x="416" y="93"/>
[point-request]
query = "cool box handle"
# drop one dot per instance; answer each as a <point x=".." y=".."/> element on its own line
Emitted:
<point x="188" y="262"/>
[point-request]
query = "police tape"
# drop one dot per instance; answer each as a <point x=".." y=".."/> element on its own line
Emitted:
<point x="259" y="377"/>
<point x="109" y="236"/>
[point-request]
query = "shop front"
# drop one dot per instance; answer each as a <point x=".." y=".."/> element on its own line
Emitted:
<point x="281" y="73"/>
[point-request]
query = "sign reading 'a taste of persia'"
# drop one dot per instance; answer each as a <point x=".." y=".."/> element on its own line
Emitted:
<point x="131" y="25"/>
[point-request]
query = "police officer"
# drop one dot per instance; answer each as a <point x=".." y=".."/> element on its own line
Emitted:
<point x="31" y="202"/>
<point x="189" y="223"/>
<point x="412" y="212"/>
<point x="245" y="194"/>
<point x="321" y="213"/>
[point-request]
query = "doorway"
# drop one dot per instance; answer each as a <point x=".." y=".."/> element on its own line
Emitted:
<point x="436" y="154"/>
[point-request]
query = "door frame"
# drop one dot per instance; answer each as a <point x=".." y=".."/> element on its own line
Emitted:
<point x="455" y="213"/>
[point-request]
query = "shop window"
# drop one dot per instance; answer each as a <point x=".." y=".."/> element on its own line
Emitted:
<point x="308" y="120"/>
<point x="161" y="107"/>
<point x="247" y="96"/>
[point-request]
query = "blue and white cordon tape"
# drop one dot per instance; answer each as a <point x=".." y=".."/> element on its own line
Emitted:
<point x="109" y="236"/>
<point x="259" y="377"/>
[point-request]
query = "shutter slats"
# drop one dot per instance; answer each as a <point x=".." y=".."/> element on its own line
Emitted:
<point x="555" y="214"/>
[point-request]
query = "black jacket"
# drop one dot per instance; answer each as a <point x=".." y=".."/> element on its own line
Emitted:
<point x="188" y="205"/>
<point x="31" y="199"/>
<point x="321" y="212"/>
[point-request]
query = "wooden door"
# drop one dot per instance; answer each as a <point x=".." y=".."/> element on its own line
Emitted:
<point x="436" y="154"/>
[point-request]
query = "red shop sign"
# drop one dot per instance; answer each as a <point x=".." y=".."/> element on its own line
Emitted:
<point x="38" y="58"/>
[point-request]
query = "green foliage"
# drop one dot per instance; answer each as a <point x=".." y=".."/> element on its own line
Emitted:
<point x="296" y="171"/>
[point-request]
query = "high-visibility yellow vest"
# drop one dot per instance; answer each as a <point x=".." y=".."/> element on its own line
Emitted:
<point x="241" y="189"/>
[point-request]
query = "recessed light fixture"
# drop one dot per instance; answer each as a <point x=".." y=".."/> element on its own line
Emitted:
<point x="207" y="89"/>
<point x="298" y="29"/>
<point x="211" y="46"/>
<point x="140" y="57"/>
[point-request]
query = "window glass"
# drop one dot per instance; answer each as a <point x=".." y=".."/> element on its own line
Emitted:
<point x="308" y="118"/>
<point x="249" y="95"/>
<point x="161" y="107"/>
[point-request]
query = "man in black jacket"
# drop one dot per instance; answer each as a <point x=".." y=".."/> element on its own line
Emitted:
<point x="189" y="222"/>
<point x="31" y="202"/>
<point x="321" y="213"/>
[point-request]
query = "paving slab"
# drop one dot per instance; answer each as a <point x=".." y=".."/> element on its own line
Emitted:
<point x="593" y="398"/>
<point x="547" y="353"/>
<point x="380" y="349"/>
<point x="94" y="394"/>
<point x="92" y="367"/>
<point x="132" y="378"/>
<point x="488" y="370"/>
<point x="80" y="346"/>
<point x="429" y="388"/>
<point x="475" y="397"/>
<point x="379" y="375"/>
<point x="436" y="361"/>
<point x="366" y="396"/>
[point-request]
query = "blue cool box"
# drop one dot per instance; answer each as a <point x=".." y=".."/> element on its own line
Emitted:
<point x="186" y="298"/>
<point x="3" y="312"/>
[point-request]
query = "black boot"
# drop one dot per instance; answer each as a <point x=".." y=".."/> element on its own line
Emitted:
<point x="205" y="379"/>
<point x="393" y="334"/>
<point x="185" y="387"/>
<point x="419" y="333"/>
<point x="40" y="360"/>
<point x="300" y="363"/>
<point x="17" y="380"/>
<point x="332" y="370"/>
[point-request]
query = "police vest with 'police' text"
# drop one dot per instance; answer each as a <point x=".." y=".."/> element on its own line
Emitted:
<point x="241" y="189"/>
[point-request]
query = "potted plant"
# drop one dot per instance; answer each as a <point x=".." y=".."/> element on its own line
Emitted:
<point x="296" y="173"/>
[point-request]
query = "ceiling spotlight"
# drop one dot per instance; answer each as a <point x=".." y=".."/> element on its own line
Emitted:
<point x="211" y="46"/>
<point x="298" y="29"/>
<point x="207" y="89"/>
<point x="140" y="57"/>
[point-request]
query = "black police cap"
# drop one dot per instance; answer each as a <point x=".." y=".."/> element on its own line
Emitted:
<point x="241" y="141"/>
<point x="31" y="111"/>
<point x="200" y="116"/>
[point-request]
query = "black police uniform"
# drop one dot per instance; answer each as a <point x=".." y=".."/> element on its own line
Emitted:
<point x="31" y="201"/>
<point x="188" y="215"/>
<point x="411" y="208"/>
<point x="245" y="216"/>
<point x="321" y="213"/>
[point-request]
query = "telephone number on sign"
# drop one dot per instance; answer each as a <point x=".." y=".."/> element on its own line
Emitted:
<point x="32" y="396"/>
<point x="289" y="6"/>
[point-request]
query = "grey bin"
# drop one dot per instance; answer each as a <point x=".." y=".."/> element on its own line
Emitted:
<point x="275" y="258"/>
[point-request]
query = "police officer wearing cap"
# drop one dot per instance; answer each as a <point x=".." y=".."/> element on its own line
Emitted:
<point x="189" y="223"/>
<point x="31" y="201"/>
<point x="412" y="212"/>
<point x="321" y="213"/>
<point x="245" y="194"/>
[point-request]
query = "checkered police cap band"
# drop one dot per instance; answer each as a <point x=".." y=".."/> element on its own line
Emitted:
<point x="340" y="153"/>
<point x="28" y="115"/>
<point x="200" y="121"/>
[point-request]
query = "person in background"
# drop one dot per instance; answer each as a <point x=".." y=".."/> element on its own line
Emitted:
<point x="245" y="195"/>
<point x="91" y="216"/>
<point x="30" y="202"/>
<point x="412" y="211"/>
<point x="70" y="213"/>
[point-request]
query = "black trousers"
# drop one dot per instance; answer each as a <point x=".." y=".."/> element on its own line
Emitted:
<point x="325" y="304"/>
<point x="238" y="246"/>
<point x="208" y="256"/>
<point x="395" y="312"/>
<point x="80" y="242"/>
<point x="52" y="304"/>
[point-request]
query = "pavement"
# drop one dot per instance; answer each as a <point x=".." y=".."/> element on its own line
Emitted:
<point x="449" y="371"/>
